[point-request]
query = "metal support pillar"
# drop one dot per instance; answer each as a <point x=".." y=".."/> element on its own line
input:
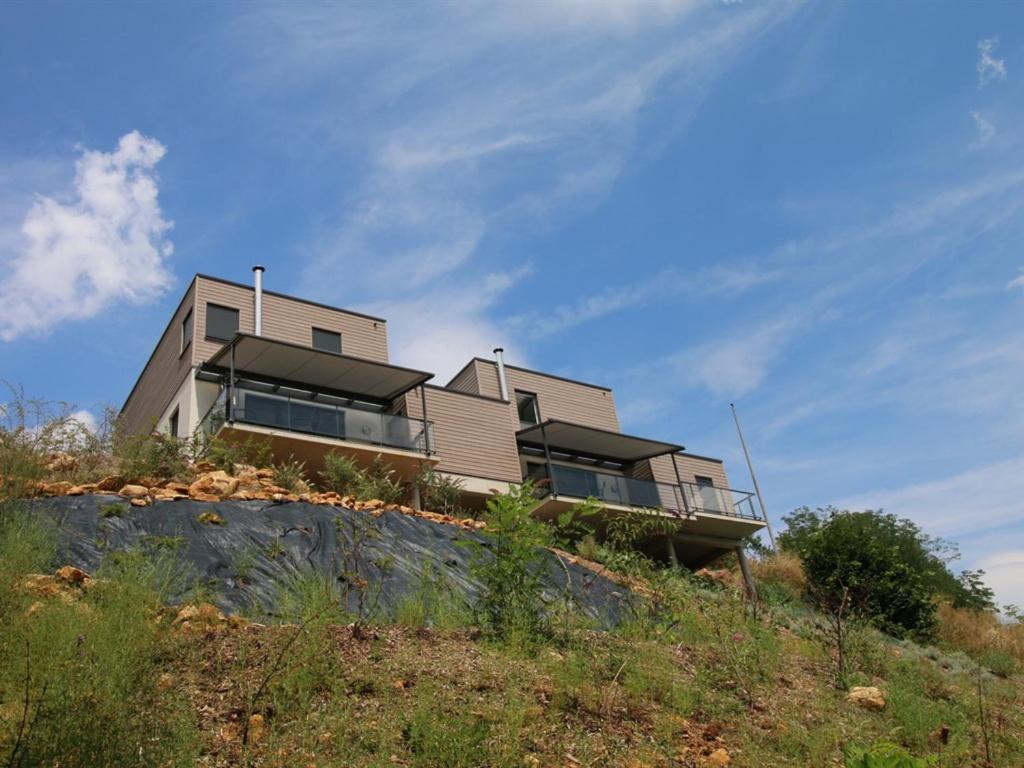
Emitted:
<point x="682" y="489"/>
<point x="673" y="558"/>
<point x="547" y="458"/>
<point x="748" y="578"/>
<point x="230" y="402"/>
<point x="426" y="424"/>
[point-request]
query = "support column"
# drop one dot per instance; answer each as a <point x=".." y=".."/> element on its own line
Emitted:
<point x="417" y="503"/>
<point x="673" y="558"/>
<point x="230" y="402"/>
<point x="682" y="490"/>
<point x="426" y="424"/>
<point x="547" y="458"/>
<point x="748" y="577"/>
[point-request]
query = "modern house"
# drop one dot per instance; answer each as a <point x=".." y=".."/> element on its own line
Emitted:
<point x="238" y="361"/>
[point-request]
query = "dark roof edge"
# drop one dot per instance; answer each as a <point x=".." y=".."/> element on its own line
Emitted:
<point x="672" y="447"/>
<point x="542" y="373"/>
<point x="292" y="298"/>
<point x="157" y="345"/>
<point x="698" y="456"/>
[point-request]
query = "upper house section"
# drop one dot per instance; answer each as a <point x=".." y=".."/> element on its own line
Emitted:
<point x="222" y="308"/>
<point x="540" y="396"/>
<point x="209" y="315"/>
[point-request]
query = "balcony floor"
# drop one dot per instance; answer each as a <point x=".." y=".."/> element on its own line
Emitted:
<point x="312" y="448"/>
<point x="701" y="538"/>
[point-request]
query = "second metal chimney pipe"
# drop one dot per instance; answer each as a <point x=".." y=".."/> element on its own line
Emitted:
<point x="257" y="279"/>
<point x="499" y="360"/>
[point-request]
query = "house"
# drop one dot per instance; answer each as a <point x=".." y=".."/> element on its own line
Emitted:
<point x="242" y="362"/>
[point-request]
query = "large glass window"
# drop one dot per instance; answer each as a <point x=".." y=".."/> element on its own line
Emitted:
<point x="186" y="331"/>
<point x="526" y="404"/>
<point x="221" y="322"/>
<point x="328" y="341"/>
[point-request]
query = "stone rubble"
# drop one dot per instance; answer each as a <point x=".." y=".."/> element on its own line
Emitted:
<point x="248" y="483"/>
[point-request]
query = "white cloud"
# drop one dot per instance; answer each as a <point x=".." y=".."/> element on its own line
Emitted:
<point x="738" y="365"/>
<point x="705" y="285"/>
<point x="986" y="131"/>
<point x="441" y="330"/>
<point x="989" y="67"/>
<point x="472" y="121"/>
<point x="1004" y="573"/>
<point x="965" y="503"/>
<point x="1017" y="282"/>
<point x="106" y="243"/>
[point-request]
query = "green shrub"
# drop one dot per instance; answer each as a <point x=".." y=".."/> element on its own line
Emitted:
<point x="228" y="454"/>
<point x="291" y="474"/>
<point x="868" y="564"/>
<point x="998" y="662"/>
<point x="439" y="493"/>
<point x="509" y="567"/>
<point x="151" y="456"/>
<point x="342" y="475"/>
<point x="83" y="673"/>
<point x="883" y="755"/>
<point x="456" y="740"/>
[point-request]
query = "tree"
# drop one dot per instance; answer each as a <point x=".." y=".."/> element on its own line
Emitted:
<point x="879" y="565"/>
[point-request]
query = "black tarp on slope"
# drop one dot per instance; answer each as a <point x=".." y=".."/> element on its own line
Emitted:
<point x="261" y="545"/>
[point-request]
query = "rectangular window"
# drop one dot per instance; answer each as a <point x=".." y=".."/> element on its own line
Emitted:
<point x="186" y="331"/>
<point x="221" y="322"/>
<point x="328" y="341"/>
<point x="172" y="425"/>
<point x="529" y="413"/>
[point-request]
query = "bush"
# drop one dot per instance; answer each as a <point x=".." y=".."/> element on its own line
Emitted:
<point x="883" y="755"/>
<point x="81" y="675"/>
<point x="510" y="605"/>
<point x="40" y="441"/>
<point x="228" y="454"/>
<point x="868" y="564"/>
<point x="781" y="567"/>
<point x="291" y="474"/>
<point x="342" y="475"/>
<point x="151" y="456"/>
<point x="439" y="493"/>
<point x="977" y="633"/>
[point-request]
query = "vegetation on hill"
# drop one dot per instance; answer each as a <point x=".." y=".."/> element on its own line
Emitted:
<point x="97" y="670"/>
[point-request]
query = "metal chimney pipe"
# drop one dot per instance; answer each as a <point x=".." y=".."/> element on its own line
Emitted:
<point x="499" y="360"/>
<point x="257" y="280"/>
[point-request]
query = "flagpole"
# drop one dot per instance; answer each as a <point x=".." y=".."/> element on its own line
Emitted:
<point x="750" y="466"/>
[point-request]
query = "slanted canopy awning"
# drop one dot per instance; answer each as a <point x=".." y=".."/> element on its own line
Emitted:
<point x="578" y="440"/>
<point x="286" y="363"/>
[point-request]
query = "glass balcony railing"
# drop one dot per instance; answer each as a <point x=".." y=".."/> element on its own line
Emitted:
<point x="681" y="498"/>
<point x="307" y="417"/>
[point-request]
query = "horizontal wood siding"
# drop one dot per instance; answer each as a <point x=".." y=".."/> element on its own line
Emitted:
<point x="689" y="467"/>
<point x="466" y="381"/>
<point x="288" y="320"/>
<point x="557" y="398"/>
<point x="162" y="376"/>
<point x="472" y="436"/>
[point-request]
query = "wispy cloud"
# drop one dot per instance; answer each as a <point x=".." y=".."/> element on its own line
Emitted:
<point x="968" y="502"/>
<point x="985" y="130"/>
<point x="471" y="121"/>
<point x="1017" y="282"/>
<point x="1004" y="573"/>
<point x="713" y="283"/>
<point x="107" y="242"/>
<point x="989" y="67"/>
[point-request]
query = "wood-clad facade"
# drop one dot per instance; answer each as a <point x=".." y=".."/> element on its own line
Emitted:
<point x="473" y="431"/>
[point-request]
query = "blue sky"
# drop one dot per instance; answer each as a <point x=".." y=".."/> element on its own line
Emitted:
<point x="812" y="209"/>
